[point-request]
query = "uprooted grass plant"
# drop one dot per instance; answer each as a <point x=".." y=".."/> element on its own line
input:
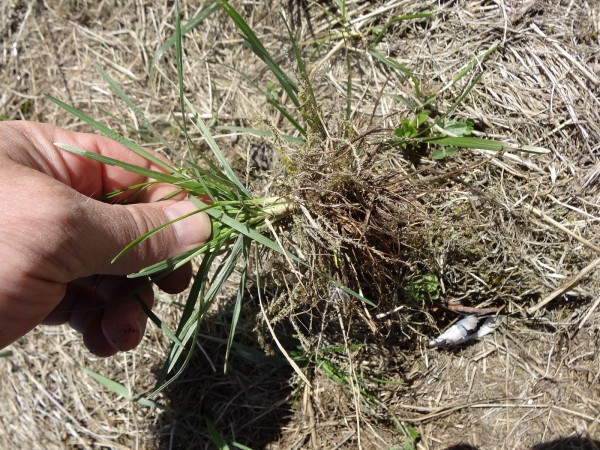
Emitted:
<point x="343" y="215"/>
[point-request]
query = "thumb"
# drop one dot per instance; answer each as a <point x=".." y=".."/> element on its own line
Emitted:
<point x="113" y="227"/>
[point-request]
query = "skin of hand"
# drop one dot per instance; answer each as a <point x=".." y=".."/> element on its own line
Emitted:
<point x="57" y="241"/>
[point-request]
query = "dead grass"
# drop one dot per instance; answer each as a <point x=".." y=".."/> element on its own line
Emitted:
<point x="504" y="230"/>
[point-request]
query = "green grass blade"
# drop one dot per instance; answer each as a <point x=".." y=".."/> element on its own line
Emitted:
<point x="215" y="436"/>
<point x="395" y="65"/>
<point x="341" y="5"/>
<point x="148" y="173"/>
<point x="203" y="129"/>
<point x="119" y="389"/>
<point x="466" y="68"/>
<point x="189" y="26"/>
<point x="223" y="272"/>
<point x="200" y="280"/>
<point x="252" y="42"/>
<point x="150" y="233"/>
<point x="310" y="109"/>
<point x="288" y="116"/>
<point x="171" y="264"/>
<point x="189" y="329"/>
<point x="117" y="89"/>
<point x="460" y="98"/>
<point x="160" y="324"/>
<point x="240" y="446"/>
<point x="6" y="353"/>
<point x="244" y="229"/>
<point x="198" y="286"/>
<point x="237" y="308"/>
<point x="257" y="132"/>
<point x="113" y="134"/>
<point x="482" y="144"/>
<point x="179" y="58"/>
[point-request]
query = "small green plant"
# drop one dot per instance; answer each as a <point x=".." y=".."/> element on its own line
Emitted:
<point x="422" y="287"/>
<point x="436" y="130"/>
<point x="411" y="130"/>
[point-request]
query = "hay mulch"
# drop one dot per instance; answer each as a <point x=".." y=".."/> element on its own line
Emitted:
<point x="512" y="230"/>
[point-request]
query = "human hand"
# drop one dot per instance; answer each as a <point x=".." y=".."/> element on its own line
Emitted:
<point x="57" y="242"/>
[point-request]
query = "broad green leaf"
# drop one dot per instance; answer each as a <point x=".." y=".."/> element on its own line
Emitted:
<point x="443" y="152"/>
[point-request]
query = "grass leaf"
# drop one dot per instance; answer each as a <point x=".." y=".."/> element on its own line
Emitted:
<point x="252" y="42"/>
<point x="237" y="308"/>
<point x="201" y="126"/>
<point x="112" y="134"/>
<point x="257" y="132"/>
<point x="482" y="144"/>
<point x="119" y="389"/>
<point x="395" y="65"/>
<point x="117" y="89"/>
<point x="189" y="26"/>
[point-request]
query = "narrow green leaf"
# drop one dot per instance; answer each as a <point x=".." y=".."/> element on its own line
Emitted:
<point x="240" y="446"/>
<point x="287" y="115"/>
<point x="258" y="132"/>
<point x="160" y="324"/>
<point x="152" y="232"/>
<point x="117" y="89"/>
<point x="6" y="353"/>
<point x="171" y="264"/>
<point x="118" y="388"/>
<point x="474" y="62"/>
<point x="189" y="26"/>
<point x="252" y="41"/>
<point x="189" y="329"/>
<point x="180" y="85"/>
<point x="237" y="308"/>
<point x="310" y="109"/>
<point x="112" y="134"/>
<point x="244" y="229"/>
<point x="176" y="180"/>
<point x="393" y="64"/>
<point x="201" y="126"/>
<point x="215" y="436"/>
<point x="482" y="144"/>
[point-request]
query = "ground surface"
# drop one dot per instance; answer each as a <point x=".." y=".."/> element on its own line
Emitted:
<point x="507" y="233"/>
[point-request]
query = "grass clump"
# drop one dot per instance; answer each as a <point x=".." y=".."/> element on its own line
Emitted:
<point x="359" y="208"/>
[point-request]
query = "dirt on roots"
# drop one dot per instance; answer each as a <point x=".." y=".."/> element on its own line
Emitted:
<point x="508" y="230"/>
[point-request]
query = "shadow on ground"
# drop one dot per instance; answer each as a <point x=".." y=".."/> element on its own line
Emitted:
<point x="247" y="405"/>
<point x="571" y="443"/>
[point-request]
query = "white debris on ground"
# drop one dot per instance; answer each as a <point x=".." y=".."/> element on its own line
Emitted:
<point x="466" y="330"/>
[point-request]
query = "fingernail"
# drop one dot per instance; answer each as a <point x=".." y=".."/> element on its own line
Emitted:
<point x="193" y="230"/>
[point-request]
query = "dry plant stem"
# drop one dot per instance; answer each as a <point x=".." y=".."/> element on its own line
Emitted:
<point x="589" y="313"/>
<point x="561" y="227"/>
<point x="565" y="286"/>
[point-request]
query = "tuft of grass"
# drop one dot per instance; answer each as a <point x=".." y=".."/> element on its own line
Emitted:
<point x="352" y="215"/>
